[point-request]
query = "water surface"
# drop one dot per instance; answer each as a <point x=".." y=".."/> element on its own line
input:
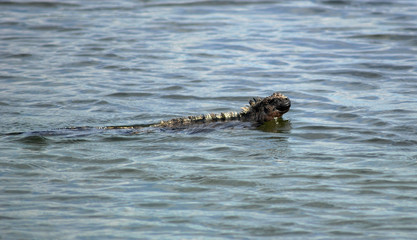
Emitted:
<point x="342" y="164"/>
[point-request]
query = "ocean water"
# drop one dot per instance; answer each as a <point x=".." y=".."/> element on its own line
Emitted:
<point x="342" y="164"/>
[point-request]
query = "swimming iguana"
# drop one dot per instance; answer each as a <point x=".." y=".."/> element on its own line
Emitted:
<point x="259" y="111"/>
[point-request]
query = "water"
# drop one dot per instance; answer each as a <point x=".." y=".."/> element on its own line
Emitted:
<point x="341" y="166"/>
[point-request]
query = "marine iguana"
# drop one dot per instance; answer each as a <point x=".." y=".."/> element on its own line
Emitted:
<point x="259" y="111"/>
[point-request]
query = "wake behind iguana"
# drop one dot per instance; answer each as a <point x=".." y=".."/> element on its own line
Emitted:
<point x="259" y="111"/>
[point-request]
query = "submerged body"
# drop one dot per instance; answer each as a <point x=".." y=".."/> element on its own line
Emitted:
<point x="259" y="111"/>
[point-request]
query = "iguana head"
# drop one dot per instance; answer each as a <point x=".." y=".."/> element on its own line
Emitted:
<point x="266" y="109"/>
